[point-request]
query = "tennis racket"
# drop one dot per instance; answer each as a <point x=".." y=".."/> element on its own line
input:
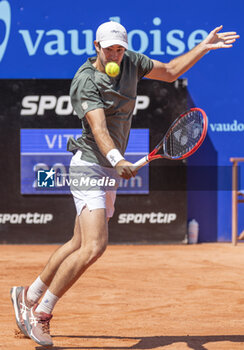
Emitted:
<point x="183" y="138"/>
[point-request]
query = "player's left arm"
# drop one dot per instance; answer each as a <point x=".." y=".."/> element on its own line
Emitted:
<point x="169" y="72"/>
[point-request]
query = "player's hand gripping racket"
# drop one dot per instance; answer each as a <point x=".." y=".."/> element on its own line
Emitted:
<point x="183" y="138"/>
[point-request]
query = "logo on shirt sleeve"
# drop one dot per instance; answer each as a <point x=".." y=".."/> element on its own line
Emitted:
<point x="84" y="105"/>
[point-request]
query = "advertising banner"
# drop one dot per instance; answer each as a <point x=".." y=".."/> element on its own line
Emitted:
<point x="36" y="206"/>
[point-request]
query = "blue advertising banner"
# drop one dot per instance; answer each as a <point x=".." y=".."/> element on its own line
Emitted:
<point x="45" y="150"/>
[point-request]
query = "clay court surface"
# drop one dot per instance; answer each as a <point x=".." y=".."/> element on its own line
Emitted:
<point x="137" y="297"/>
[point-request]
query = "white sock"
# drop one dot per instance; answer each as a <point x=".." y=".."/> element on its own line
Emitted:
<point x="48" y="302"/>
<point x="36" y="289"/>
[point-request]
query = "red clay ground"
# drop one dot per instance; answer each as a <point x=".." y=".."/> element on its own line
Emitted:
<point x="138" y="297"/>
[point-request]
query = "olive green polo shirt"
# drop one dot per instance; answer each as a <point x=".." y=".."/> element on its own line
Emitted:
<point x="92" y="89"/>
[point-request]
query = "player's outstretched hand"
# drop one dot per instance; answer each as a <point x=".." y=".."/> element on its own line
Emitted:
<point x="125" y="169"/>
<point x="216" y="40"/>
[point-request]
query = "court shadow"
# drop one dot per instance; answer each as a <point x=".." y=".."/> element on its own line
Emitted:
<point x="193" y="342"/>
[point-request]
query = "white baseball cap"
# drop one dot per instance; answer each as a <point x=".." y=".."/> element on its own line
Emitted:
<point x="111" y="33"/>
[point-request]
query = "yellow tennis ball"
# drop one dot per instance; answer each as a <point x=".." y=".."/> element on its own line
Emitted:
<point x="112" y="69"/>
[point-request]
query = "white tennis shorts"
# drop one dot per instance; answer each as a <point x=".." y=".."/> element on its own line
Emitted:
<point x="96" y="186"/>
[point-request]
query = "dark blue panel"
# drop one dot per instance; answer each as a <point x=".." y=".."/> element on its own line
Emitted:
<point x="45" y="149"/>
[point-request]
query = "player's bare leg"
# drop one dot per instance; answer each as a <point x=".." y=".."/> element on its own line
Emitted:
<point x="61" y="254"/>
<point x="94" y="237"/>
<point x="23" y="298"/>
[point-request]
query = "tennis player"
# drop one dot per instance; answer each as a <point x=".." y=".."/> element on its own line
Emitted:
<point x="105" y="106"/>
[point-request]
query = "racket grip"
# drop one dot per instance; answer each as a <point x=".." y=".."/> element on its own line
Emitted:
<point x="141" y="162"/>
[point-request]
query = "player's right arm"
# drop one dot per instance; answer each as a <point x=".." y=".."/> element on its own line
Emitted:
<point x="97" y="122"/>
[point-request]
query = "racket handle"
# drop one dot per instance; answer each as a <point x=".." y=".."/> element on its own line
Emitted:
<point x="141" y="162"/>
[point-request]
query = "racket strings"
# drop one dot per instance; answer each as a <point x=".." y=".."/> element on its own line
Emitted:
<point x="184" y="135"/>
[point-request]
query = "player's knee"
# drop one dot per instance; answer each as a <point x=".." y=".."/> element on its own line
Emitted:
<point x="95" y="249"/>
<point x="98" y="248"/>
<point x="75" y="243"/>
